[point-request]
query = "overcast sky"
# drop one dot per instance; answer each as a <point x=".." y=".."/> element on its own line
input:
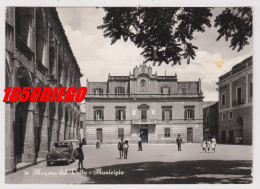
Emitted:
<point x="97" y="58"/>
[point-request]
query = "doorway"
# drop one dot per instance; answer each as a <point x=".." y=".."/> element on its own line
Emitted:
<point x="189" y="135"/>
<point x="144" y="135"/>
<point x="223" y="137"/>
<point x="231" y="137"/>
<point x="100" y="135"/>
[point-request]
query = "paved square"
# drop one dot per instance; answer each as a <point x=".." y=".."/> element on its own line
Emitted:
<point x="157" y="163"/>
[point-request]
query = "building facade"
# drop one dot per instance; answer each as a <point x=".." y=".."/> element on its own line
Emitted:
<point x="210" y="121"/>
<point x="157" y="108"/>
<point x="37" y="54"/>
<point x="236" y="104"/>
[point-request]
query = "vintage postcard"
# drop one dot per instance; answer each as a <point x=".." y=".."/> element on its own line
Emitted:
<point x="128" y="95"/>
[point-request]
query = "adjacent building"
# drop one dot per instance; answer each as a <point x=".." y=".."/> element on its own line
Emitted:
<point x="157" y="108"/>
<point x="236" y="104"/>
<point x="210" y="121"/>
<point x="37" y="53"/>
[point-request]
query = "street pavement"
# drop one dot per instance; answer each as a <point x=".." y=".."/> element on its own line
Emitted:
<point x="156" y="164"/>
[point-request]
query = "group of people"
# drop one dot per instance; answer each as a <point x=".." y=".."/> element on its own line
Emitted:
<point x="209" y="144"/>
<point x="123" y="148"/>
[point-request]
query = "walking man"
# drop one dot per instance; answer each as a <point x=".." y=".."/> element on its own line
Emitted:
<point x="179" y="142"/>
<point x="140" y="144"/>
<point x="120" y="148"/>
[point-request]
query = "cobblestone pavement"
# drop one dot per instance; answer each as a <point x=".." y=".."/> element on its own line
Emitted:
<point x="157" y="163"/>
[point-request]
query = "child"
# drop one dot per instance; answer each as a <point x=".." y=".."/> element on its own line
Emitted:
<point x="125" y="147"/>
<point x="213" y="144"/>
<point x="208" y="145"/>
<point x="98" y="144"/>
<point x="203" y="145"/>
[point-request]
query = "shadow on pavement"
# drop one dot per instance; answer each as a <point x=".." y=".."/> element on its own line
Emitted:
<point x="182" y="172"/>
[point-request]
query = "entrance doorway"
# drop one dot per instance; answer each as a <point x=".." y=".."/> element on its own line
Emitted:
<point x="231" y="137"/>
<point x="99" y="135"/>
<point x="189" y="135"/>
<point x="144" y="134"/>
<point x="223" y="137"/>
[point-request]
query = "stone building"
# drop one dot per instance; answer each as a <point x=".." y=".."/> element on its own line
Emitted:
<point x="156" y="107"/>
<point x="235" y="104"/>
<point x="210" y="121"/>
<point x="37" y="54"/>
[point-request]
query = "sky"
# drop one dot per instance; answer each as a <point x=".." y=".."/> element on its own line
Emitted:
<point x="97" y="57"/>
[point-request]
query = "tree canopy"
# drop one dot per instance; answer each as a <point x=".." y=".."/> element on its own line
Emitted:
<point x="165" y="34"/>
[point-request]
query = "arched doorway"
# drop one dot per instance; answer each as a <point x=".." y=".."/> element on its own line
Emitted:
<point x="21" y="116"/>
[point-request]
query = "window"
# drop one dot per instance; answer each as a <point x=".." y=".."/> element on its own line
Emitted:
<point x="251" y="89"/>
<point x="143" y="114"/>
<point x="166" y="114"/>
<point x="165" y="90"/>
<point x="81" y="124"/>
<point x="167" y="132"/>
<point x="224" y="116"/>
<point x="184" y="90"/>
<point x="98" y="113"/>
<point x="223" y="99"/>
<point x="189" y="112"/>
<point x="230" y="115"/>
<point x="143" y="84"/>
<point x="98" y="91"/>
<point x="119" y="90"/>
<point x="120" y="132"/>
<point x="120" y="114"/>
<point x="239" y="95"/>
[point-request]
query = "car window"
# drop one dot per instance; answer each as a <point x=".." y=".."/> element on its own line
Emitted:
<point x="60" y="145"/>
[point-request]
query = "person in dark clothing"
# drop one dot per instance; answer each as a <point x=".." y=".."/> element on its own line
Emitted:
<point x="140" y="144"/>
<point x="179" y="142"/>
<point x="81" y="156"/>
<point x="121" y="148"/>
<point x="125" y="147"/>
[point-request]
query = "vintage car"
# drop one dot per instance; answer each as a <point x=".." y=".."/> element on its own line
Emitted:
<point x="61" y="152"/>
<point x="75" y="144"/>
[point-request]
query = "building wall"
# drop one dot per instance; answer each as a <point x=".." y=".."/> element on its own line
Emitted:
<point x="37" y="54"/>
<point x="242" y="115"/>
<point x="148" y="96"/>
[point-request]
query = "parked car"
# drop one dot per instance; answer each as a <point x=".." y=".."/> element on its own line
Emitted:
<point x="61" y="152"/>
<point x="75" y="144"/>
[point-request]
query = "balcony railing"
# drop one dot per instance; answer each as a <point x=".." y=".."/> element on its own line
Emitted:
<point x="238" y="102"/>
<point x="106" y="95"/>
<point x="41" y="67"/>
<point x="23" y="48"/>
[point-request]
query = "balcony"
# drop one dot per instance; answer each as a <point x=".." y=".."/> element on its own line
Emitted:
<point x="41" y="67"/>
<point x="23" y="48"/>
<point x="238" y="102"/>
<point x="106" y="95"/>
<point x="143" y="121"/>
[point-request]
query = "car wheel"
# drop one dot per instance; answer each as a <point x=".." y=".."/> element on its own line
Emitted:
<point x="48" y="163"/>
<point x="68" y="161"/>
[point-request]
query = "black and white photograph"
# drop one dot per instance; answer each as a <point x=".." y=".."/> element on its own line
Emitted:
<point x="169" y="95"/>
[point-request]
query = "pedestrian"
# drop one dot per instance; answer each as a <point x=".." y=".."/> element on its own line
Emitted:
<point x="213" y="144"/>
<point x="208" y="144"/>
<point x="81" y="156"/>
<point x="125" y="148"/>
<point x="98" y="144"/>
<point x="203" y="145"/>
<point x="140" y="144"/>
<point x="179" y="142"/>
<point x="120" y="147"/>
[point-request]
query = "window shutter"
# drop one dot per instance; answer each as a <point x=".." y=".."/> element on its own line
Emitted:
<point x="94" y="114"/>
<point x="115" y="90"/>
<point x="193" y="113"/>
<point x="102" y="114"/>
<point x="124" y="114"/>
<point x="185" y="114"/>
<point x="170" y="114"/>
<point x="162" y="90"/>
<point x="116" y="112"/>
<point x="101" y="91"/>
<point x="169" y="90"/>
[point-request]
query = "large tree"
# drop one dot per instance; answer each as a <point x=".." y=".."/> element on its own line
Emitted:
<point x="166" y="34"/>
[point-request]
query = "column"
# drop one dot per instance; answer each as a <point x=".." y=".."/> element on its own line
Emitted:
<point x="44" y="136"/>
<point x="9" y="140"/>
<point x="62" y="125"/>
<point x="29" y="139"/>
